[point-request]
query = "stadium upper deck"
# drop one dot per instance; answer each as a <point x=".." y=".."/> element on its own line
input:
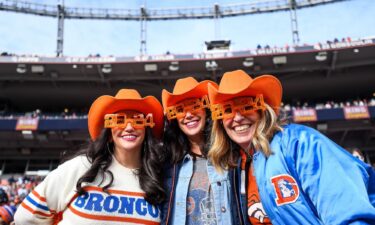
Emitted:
<point x="341" y="70"/>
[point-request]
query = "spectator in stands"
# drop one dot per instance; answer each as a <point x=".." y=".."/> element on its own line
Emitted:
<point x="11" y="179"/>
<point x="357" y="153"/>
<point x="199" y="193"/>
<point x="7" y="214"/>
<point x="6" y="211"/>
<point x="22" y="191"/>
<point x="37" y="113"/>
<point x="116" y="178"/>
<point x="3" y="197"/>
<point x="17" y="189"/>
<point x="328" y="105"/>
<point x="285" y="174"/>
<point x="7" y="54"/>
<point x="287" y="46"/>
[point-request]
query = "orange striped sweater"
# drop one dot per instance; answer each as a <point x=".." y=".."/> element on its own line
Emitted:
<point x="55" y="201"/>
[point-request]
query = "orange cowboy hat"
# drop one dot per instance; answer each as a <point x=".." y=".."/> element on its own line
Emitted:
<point x="239" y="84"/>
<point x="125" y="99"/>
<point x="185" y="88"/>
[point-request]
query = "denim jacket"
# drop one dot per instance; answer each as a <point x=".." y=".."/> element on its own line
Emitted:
<point x="177" y="182"/>
<point x="308" y="179"/>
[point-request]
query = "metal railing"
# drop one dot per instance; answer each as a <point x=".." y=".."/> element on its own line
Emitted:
<point x="214" y="11"/>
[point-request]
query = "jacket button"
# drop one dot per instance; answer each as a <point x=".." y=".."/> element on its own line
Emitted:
<point x="223" y="209"/>
<point x="218" y="183"/>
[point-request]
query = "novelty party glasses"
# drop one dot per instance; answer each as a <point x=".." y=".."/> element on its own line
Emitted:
<point x="121" y="120"/>
<point x="243" y="105"/>
<point x="189" y="105"/>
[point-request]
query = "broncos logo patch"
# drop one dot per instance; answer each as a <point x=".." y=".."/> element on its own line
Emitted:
<point x="286" y="189"/>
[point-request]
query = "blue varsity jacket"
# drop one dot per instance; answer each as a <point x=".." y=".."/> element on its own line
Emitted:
<point x="309" y="179"/>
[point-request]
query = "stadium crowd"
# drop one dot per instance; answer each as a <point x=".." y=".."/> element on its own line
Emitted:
<point x="65" y="114"/>
<point x="82" y="114"/>
<point x="329" y="104"/>
<point x="13" y="189"/>
<point x="259" y="47"/>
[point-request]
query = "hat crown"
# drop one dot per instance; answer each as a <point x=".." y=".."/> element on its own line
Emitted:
<point x="184" y="85"/>
<point x="128" y="94"/>
<point x="239" y="84"/>
<point x="234" y="81"/>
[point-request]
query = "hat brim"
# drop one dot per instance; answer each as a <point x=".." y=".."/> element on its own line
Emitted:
<point x="198" y="91"/>
<point x="267" y="85"/>
<point x="107" y="104"/>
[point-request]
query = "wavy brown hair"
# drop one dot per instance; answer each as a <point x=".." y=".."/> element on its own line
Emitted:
<point x="100" y="154"/>
<point x="224" y="152"/>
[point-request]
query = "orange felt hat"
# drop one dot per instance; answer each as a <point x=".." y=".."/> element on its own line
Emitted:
<point x="239" y="84"/>
<point x="125" y="99"/>
<point x="185" y="88"/>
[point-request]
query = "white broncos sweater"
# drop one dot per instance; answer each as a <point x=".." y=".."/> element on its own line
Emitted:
<point x="55" y="201"/>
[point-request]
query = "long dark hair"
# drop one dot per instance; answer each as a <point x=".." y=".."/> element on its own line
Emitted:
<point x="99" y="153"/>
<point x="176" y="144"/>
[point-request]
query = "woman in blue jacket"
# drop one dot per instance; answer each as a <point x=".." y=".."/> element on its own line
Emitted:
<point x="197" y="193"/>
<point x="286" y="174"/>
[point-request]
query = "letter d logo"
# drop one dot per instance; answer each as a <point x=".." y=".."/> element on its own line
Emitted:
<point x="286" y="189"/>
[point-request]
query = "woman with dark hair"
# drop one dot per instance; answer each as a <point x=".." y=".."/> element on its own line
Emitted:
<point x="197" y="193"/>
<point x="285" y="173"/>
<point x="116" y="179"/>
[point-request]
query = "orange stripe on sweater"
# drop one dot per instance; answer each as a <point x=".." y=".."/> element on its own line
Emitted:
<point x="34" y="211"/>
<point x="112" y="218"/>
<point x="38" y="196"/>
<point x="92" y="188"/>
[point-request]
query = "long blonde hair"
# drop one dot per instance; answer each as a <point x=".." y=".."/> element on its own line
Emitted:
<point x="223" y="154"/>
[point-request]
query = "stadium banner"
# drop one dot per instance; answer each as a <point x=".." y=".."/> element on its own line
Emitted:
<point x="304" y="115"/>
<point x="356" y="112"/>
<point x="351" y="44"/>
<point x="27" y="123"/>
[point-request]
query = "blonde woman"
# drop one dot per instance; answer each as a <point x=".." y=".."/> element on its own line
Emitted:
<point x="286" y="174"/>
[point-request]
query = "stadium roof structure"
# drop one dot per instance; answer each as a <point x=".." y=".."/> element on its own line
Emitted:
<point x="149" y="14"/>
<point x="143" y="14"/>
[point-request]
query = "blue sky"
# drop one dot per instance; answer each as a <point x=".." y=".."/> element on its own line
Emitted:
<point x="31" y="34"/>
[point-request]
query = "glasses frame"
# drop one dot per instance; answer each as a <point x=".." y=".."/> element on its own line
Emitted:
<point x="121" y="120"/>
<point x="243" y="105"/>
<point x="190" y="105"/>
